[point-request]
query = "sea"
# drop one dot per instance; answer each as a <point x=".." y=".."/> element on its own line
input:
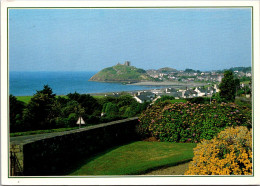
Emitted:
<point x="63" y="83"/>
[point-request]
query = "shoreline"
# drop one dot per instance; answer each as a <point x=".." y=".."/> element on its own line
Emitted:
<point x="166" y="83"/>
<point x="156" y="85"/>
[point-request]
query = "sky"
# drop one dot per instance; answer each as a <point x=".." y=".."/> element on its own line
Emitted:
<point x="92" y="39"/>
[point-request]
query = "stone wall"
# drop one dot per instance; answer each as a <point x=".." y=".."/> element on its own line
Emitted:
<point x="60" y="153"/>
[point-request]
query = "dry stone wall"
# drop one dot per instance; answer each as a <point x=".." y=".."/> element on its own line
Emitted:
<point x="60" y="153"/>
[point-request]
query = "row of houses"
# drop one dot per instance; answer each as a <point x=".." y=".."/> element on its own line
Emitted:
<point x="152" y="95"/>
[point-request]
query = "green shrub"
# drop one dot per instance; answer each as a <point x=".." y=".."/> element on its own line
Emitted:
<point x="164" y="98"/>
<point x="199" y="100"/>
<point x="188" y="122"/>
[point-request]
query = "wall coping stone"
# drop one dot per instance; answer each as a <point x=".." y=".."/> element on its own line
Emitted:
<point x="22" y="140"/>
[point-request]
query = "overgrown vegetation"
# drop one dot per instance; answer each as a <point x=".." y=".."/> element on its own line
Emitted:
<point x="230" y="153"/>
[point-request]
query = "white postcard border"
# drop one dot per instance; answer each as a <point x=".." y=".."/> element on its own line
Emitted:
<point x="127" y="180"/>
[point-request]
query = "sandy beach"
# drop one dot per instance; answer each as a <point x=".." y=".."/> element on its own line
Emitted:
<point x="167" y="83"/>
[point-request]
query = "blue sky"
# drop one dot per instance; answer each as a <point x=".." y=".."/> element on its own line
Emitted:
<point x="91" y="39"/>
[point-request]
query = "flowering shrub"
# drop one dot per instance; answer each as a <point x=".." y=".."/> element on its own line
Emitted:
<point x="191" y="122"/>
<point x="230" y="153"/>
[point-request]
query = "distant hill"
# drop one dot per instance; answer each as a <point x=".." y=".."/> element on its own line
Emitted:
<point x="241" y="69"/>
<point x="166" y="70"/>
<point x="121" y="73"/>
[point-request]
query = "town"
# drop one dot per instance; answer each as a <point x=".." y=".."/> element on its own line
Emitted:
<point x="189" y="84"/>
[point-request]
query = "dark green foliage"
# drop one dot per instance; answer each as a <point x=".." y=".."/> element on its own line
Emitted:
<point x="188" y="122"/>
<point x="189" y="70"/>
<point x="216" y="97"/>
<point x="125" y="100"/>
<point x="46" y="111"/>
<point x="164" y="98"/>
<point x="89" y="103"/>
<point x="38" y="113"/>
<point x="110" y="109"/>
<point x="16" y="113"/>
<point x="244" y="78"/>
<point x="139" y="70"/>
<point x="199" y="100"/>
<point x="228" y="87"/>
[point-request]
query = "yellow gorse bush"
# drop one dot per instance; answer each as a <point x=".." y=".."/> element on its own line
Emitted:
<point x="229" y="153"/>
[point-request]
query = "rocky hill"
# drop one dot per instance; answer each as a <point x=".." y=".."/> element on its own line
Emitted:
<point x="121" y="73"/>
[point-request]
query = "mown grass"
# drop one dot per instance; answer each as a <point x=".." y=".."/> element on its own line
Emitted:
<point x="137" y="158"/>
<point x="41" y="131"/>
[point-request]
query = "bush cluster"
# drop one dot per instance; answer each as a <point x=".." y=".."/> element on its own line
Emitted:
<point x="230" y="153"/>
<point x="191" y="122"/>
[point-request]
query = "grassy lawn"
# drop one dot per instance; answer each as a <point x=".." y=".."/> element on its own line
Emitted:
<point x="137" y="158"/>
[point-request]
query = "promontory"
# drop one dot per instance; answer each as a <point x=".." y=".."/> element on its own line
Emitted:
<point x="121" y="73"/>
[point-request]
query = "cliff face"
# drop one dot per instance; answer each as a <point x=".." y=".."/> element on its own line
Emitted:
<point x="121" y="73"/>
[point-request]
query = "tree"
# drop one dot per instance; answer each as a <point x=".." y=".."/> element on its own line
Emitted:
<point x="39" y="111"/>
<point x="110" y="109"/>
<point x="228" y="87"/>
<point x="86" y="101"/>
<point x="125" y="100"/>
<point x="16" y="113"/>
<point x="237" y="85"/>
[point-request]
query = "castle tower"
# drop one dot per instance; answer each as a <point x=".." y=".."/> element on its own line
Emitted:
<point x="127" y="63"/>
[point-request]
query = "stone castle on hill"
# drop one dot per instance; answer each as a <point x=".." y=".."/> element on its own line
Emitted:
<point x="127" y="63"/>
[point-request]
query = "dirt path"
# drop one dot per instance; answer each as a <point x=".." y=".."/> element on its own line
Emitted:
<point x="174" y="170"/>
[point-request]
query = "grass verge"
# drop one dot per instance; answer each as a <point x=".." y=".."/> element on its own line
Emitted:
<point x="137" y="158"/>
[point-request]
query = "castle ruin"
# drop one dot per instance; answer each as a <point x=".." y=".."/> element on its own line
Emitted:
<point x="127" y="63"/>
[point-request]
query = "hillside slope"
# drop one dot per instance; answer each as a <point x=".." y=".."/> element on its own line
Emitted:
<point x="121" y="73"/>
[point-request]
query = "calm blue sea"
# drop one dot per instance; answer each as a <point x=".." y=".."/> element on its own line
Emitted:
<point x="62" y="83"/>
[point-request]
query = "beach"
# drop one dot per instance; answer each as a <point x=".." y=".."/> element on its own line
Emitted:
<point x="167" y="83"/>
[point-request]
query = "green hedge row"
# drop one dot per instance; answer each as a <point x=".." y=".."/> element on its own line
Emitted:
<point x="191" y="122"/>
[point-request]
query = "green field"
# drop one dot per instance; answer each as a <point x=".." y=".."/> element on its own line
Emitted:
<point x="137" y="158"/>
<point x="26" y="99"/>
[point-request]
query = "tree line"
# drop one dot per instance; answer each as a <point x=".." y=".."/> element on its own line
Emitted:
<point x="45" y="110"/>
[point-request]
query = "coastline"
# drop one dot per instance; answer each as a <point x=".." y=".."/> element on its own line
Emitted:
<point x="167" y="83"/>
<point x="155" y="85"/>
